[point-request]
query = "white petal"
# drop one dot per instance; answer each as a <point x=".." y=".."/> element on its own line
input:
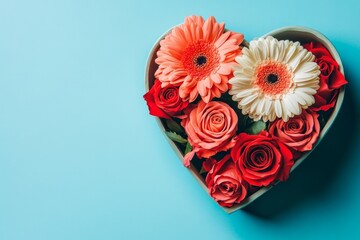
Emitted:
<point x="278" y="108"/>
<point x="286" y="112"/>
<point x="307" y="98"/>
<point x="260" y="107"/>
<point x="304" y="76"/>
<point x="267" y="107"/>
<point x="245" y="93"/>
<point x="299" y="99"/>
<point x="242" y="79"/>
<point x="289" y="104"/>
<point x="254" y="105"/>
<point x="274" y="52"/>
<point x="307" y="90"/>
<point x="295" y="104"/>
<point x="248" y="99"/>
<point x="297" y="59"/>
<point x="307" y="67"/>
<point x="272" y="116"/>
<point x="289" y="54"/>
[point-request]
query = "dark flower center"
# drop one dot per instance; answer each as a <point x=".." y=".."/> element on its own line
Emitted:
<point x="227" y="187"/>
<point x="293" y="125"/>
<point x="200" y="60"/>
<point x="272" y="78"/>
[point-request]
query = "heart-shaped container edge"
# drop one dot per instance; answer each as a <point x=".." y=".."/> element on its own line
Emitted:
<point x="293" y="33"/>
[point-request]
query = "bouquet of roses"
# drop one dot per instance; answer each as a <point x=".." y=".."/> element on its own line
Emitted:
<point x="241" y="113"/>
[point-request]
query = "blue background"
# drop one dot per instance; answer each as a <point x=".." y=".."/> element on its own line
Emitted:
<point x="80" y="158"/>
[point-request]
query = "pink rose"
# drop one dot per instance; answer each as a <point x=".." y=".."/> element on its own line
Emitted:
<point x="299" y="133"/>
<point x="225" y="183"/>
<point x="211" y="128"/>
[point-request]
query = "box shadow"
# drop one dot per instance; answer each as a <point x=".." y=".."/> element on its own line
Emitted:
<point x="314" y="177"/>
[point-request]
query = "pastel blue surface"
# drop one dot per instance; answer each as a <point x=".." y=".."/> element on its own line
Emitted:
<point x="80" y="158"/>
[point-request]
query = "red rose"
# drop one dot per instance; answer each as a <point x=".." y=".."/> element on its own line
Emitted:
<point x="164" y="102"/>
<point x="225" y="183"/>
<point x="299" y="133"/>
<point x="261" y="159"/>
<point x="208" y="163"/>
<point x="331" y="79"/>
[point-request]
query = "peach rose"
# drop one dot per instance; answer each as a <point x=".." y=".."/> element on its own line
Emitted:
<point x="299" y="133"/>
<point x="211" y="128"/>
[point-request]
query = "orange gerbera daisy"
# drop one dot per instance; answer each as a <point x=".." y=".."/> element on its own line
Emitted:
<point x="198" y="56"/>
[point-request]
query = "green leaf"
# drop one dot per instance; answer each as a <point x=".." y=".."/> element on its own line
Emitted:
<point x="188" y="148"/>
<point x="176" y="137"/>
<point x="244" y="122"/>
<point x="256" y="127"/>
<point x="174" y="126"/>
<point x="202" y="170"/>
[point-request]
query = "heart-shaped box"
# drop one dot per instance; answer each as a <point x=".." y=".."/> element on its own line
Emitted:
<point x="293" y="33"/>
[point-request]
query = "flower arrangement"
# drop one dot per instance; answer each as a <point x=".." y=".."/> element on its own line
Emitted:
<point x="241" y="113"/>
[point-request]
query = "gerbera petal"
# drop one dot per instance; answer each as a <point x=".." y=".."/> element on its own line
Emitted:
<point x="225" y="69"/>
<point x="201" y="88"/>
<point x="278" y="108"/>
<point x="245" y="93"/>
<point x="304" y="76"/>
<point x="261" y="106"/>
<point x="240" y="78"/>
<point x="194" y="20"/>
<point x="223" y="86"/>
<point x="297" y="59"/>
<point x="207" y="29"/>
<point x="299" y="99"/>
<point x="272" y="115"/>
<point x="308" y="67"/>
<point x="248" y="99"/>
<point x="219" y="42"/>
<point x="254" y="105"/>
<point x="286" y="112"/>
<point x="193" y="95"/>
<point x="215" y="92"/>
<point x="307" y="90"/>
<point x="199" y="32"/>
<point x="289" y="53"/>
<point x="206" y="98"/>
<point x="274" y="52"/>
<point x="267" y="107"/>
<point x="215" y="78"/>
<point x="309" y="99"/>
<point x="291" y="105"/>
<point x="208" y="82"/>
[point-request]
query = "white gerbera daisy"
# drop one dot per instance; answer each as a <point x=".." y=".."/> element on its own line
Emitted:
<point x="274" y="79"/>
